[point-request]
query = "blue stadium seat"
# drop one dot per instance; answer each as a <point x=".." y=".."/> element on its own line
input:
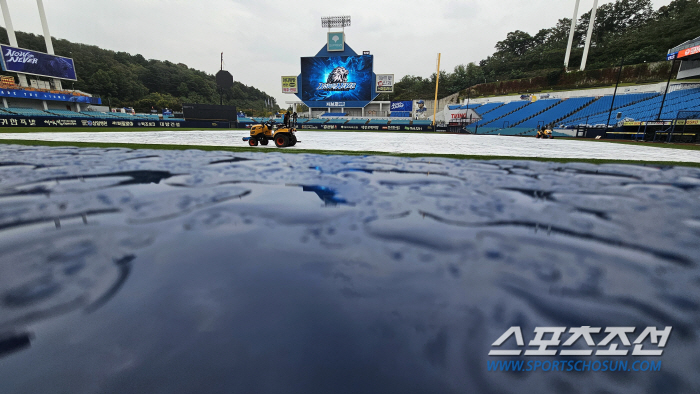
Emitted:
<point x="356" y="122"/>
<point x="29" y="112"/>
<point x="485" y="108"/>
<point x="498" y="113"/>
<point x="597" y="112"/>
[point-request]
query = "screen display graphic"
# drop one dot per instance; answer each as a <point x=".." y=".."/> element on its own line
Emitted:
<point x="344" y="79"/>
<point x="37" y="63"/>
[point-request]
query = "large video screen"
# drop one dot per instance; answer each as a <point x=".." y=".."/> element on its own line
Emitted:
<point x="37" y="63"/>
<point x="343" y="79"/>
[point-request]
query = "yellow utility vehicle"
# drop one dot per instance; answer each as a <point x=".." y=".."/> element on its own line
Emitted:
<point x="263" y="133"/>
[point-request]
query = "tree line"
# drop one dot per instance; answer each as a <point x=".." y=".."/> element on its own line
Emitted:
<point x="125" y="80"/>
<point x="629" y="29"/>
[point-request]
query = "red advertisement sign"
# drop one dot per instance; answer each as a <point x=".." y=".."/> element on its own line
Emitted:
<point x="688" y="52"/>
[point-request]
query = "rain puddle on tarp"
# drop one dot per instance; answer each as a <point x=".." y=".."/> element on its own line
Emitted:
<point x="220" y="272"/>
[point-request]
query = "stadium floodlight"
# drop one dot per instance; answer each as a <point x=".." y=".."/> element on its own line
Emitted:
<point x="591" y="24"/>
<point x="335" y="21"/>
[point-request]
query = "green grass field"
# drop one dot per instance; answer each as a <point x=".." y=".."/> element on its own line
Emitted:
<point x="335" y="152"/>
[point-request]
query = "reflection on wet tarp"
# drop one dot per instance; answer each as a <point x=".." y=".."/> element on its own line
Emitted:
<point x="326" y="194"/>
<point x="147" y="270"/>
<point x="12" y="343"/>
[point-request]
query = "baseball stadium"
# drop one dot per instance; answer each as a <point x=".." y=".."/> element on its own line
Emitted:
<point x="528" y="223"/>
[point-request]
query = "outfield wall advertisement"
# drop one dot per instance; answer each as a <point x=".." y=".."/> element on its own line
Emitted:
<point x="366" y="127"/>
<point x="46" y="121"/>
<point x="27" y="94"/>
<point x="405" y="106"/>
<point x="341" y="81"/>
<point x="289" y="85"/>
<point x="385" y="83"/>
<point x="25" y="61"/>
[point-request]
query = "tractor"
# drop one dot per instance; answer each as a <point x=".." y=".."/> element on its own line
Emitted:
<point x="263" y="133"/>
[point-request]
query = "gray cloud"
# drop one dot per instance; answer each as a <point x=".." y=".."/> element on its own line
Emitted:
<point x="264" y="39"/>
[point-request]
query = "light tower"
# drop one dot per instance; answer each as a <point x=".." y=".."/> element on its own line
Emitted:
<point x="336" y="40"/>
<point x="591" y="23"/>
<point x="47" y="39"/>
<point x="13" y="38"/>
<point x="571" y="36"/>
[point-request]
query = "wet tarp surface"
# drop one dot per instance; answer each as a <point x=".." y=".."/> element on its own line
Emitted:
<point x="145" y="271"/>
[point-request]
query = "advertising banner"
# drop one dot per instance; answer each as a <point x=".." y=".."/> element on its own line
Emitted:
<point x="336" y="42"/>
<point x="385" y="83"/>
<point x="346" y="81"/>
<point x="688" y="52"/>
<point x="458" y="114"/>
<point x="401" y="106"/>
<point x="421" y="109"/>
<point x="17" y="93"/>
<point x="46" y="121"/>
<point x="369" y="127"/>
<point x="37" y="63"/>
<point x="289" y="85"/>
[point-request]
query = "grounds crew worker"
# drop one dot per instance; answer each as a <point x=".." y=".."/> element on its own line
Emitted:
<point x="294" y="119"/>
<point x="548" y="132"/>
<point x="286" y="119"/>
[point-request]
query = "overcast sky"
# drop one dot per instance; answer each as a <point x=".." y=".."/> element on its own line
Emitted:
<point x="264" y="39"/>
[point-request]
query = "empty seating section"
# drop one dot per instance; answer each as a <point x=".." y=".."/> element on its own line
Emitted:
<point x="559" y="111"/>
<point x="316" y="121"/>
<point x="684" y="100"/>
<point x="355" y="122"/>
<point x="28" y="112"/>
<point x="602" y="105"/>
<point x="487" y="107"/>
<point x="646" y="110"/>
<point x="116" y="115"/>
<point x="499" y="112"/>
<point x="66" y="113"/>
<point x="526" y="112"/>
<point x="679" y="100"/>
<point x="471" y="106"/>
<point x="514" y="118"/>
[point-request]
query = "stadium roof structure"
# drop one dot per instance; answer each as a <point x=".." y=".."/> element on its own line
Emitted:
<point x="689" y="50"/>
<point x="685" y="45"/>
